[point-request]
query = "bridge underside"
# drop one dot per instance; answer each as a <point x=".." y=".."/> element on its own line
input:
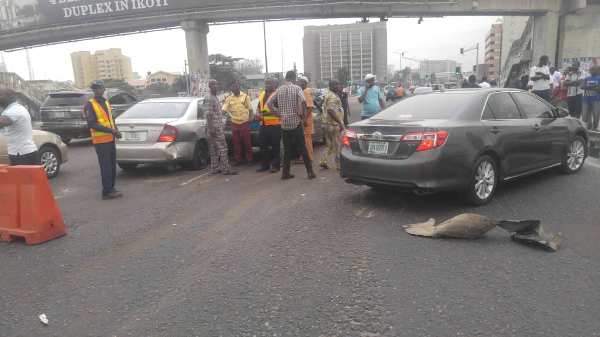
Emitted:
<point x="272" y="10"/>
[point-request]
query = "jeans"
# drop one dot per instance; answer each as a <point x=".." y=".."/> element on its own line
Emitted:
<point x="293" y="142"/>
<point x="107" y="158"/>
<point x="574" y="103"/>
<point x="32" y="158"/>
<point x="270" y="146"/>
<point x="591" y="113"/>
<point x="241" y="137"/>
<point x="545" y="94"/>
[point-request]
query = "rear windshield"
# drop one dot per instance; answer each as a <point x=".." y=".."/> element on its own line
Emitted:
<point x="431" y="106"/>
<point x="65" y="100"/>
<point x="150" y="110"/>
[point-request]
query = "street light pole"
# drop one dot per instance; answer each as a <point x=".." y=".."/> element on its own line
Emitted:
<point x="265" y="44"/>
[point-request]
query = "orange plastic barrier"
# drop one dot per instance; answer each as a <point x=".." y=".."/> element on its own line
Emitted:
<point x="27" y="206"/>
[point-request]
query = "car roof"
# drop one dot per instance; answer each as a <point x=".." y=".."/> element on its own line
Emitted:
<point x="109" y="91"/>
<point x="174" y="99"/>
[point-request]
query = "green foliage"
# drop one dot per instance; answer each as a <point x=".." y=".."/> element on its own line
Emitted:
<point x="343" y="75"/>
<point x="222" y="69"/>
<point x="118" y="84"/>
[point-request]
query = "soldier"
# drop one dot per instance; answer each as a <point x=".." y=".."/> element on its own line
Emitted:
<point x="219" y="162"/>
<point x="333" y="115"/>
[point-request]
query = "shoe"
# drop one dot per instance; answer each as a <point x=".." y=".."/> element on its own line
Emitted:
<point x="324" y="166"/>
<point x="230" y="173"/>
<point x="274" y="169"/>
<point x="287" y="176"/>
<point x="311" y="175"/>
<point x="112" y="195"/>
<point x="262" y="169"/>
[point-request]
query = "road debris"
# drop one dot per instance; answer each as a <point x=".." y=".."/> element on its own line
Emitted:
<point x="43" y="319"/>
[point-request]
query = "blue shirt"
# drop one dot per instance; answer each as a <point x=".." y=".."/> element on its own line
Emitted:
<point x="371" y="103"/>
<point x="591" y="95"/>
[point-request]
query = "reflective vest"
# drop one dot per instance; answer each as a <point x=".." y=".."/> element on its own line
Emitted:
<point x="267" y="119"/>
<point x="104" y="119"/>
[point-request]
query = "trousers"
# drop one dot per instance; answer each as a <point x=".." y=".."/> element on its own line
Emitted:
<point x="574" y="103"/>
<point x="293" y="142"/>
<point x="270" y="145"/>
<point x="107" y="158"/>
<point x="32" y="158"/>
<point x="334" y="145"/>
<point x="241" y="138"/>
<point x="591" y="113"/>
<point x="217" y="148"/>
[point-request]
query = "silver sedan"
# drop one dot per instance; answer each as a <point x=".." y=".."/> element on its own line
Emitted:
<point x="163" y="131"/>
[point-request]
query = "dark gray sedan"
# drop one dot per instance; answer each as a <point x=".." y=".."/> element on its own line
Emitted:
<point x="468" y="140"/>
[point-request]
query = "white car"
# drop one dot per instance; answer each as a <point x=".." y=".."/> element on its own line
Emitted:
<point x="53" y="151"/>
<point x="422" y="90"/>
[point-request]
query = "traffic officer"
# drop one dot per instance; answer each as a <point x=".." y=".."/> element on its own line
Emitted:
<point x="269" y="133"/>
<point x="104" y="131"/>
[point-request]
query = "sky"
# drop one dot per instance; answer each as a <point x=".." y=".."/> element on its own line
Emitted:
<point x="434" y="38"/>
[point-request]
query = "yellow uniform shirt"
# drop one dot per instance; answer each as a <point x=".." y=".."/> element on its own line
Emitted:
<point x="238" y="108"/>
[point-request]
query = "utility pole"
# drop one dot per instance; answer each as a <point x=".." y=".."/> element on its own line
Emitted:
<point x="186" y="74"/>
<point x="475" y="47"/>
<point x="265" y="44"/>
<point x="31" y="74"/>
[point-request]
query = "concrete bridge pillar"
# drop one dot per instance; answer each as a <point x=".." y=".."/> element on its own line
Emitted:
<point x="545" y="36"/>
<point x="197" y="47"/>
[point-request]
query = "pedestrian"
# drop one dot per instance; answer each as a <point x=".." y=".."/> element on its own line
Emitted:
<point x="514" y="81"/>
<point x="484" y="83"/>
<point x="556" y="77"/>
<point x="540" y="76"/>
<point x="591" y="98"/>
<point x="371" y="98"/>
<point x="289" y="103"/>
<point x="104" y="132"/>
<point x="237" y="105"/>
<point x="399" y="92"/>
<point x="269" y="134"/>
<point x="308" y="121"/>
<point x="215" y="131"/>
<point x="346" y="106"/>
<point x="15" y="124"/>
<point x="471" y="82"/>
<point x="333" y="125"/>
<point x="525" y="82"/>
<point x="573" y="82"/>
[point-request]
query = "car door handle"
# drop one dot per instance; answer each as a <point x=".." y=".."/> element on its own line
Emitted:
<point x="495" y="130"/>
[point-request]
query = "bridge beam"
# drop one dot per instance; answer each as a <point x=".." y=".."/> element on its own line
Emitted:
<point x="197" y="47"/>
<point x="545" y="36"/>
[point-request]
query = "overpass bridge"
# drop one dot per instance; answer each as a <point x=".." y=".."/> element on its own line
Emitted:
<point x="61" y="21"/>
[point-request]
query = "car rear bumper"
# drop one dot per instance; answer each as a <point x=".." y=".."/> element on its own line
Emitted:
<point x="155" y="153"/>
<point x="70" y="129"/>
<point x="423" y="171"/>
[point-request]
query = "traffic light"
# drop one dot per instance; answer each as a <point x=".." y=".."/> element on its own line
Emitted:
<point x="462" y="51"/>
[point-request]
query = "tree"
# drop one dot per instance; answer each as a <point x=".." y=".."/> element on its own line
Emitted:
<point x="343" y="76"/>
<point x="118" y="84"/>
<point x="406" y="75"/>
<point x="222" y="69"/>
<point x="249" y="67"/>
<point x="180" y="84"/>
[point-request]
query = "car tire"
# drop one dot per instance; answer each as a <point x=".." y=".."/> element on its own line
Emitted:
<point x="50" y="159"/>
<point x="484" y="181"/>
<point x="575" y="155"/>
<point x="201" y="157"/>
<point x="128" y="167"/>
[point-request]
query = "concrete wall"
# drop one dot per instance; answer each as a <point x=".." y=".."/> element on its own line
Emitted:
<point x="580" y="37"/>
<point x="512" y="30"/>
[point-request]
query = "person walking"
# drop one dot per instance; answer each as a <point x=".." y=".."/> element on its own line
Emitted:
<point x="573" y="81"/>
<point x="471" y="82"/>
<point x="333" y="124"/>
<point x="215" y="131"/>
<point x="540" y="76"/>
<point x="269" y="133"/>
<point x="371" y="98"/>
<point x="591" y="98"/>
<point x="15" y="124"/>
<point x="484" y="83"/>
<point x="308" y="121"/>
<point x="104" y="132"/>
<point x="237" y="105"/>
<point x="289" y="103"/>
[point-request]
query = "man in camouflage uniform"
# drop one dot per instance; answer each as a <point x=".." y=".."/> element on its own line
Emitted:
<point x="215" y="128"/>
<point x="333" y="124"/>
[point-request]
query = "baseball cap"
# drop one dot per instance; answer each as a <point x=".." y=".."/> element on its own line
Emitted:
<point x="97" y="84"/>
<point x="369" y="77"/>
<point x="303" y="78"/>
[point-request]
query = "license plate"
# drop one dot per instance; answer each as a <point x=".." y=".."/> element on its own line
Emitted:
<point x="58" y="114"/>
<point x="378" y="147"/>
<point x="134" y="136"/>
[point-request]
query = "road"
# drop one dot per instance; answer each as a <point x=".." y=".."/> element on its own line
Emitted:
<point x="188" y="254"/>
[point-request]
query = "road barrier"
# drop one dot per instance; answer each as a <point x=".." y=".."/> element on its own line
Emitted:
<point x="27" y="206"/>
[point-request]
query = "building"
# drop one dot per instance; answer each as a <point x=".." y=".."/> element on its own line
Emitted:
<point x="361" y="48"/>
<point x="161" y="77"/>
<point x="427" y="67"/>
<point x="104" y="64"/>
<point x="493" y="51"/>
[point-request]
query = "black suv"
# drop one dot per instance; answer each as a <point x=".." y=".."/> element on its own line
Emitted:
<point x="62" y="111"/>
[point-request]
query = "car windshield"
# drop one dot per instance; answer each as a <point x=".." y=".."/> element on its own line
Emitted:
<point x="70" y="99"/>
<point x="431" y="106"/>
<point x="151" y="110"/>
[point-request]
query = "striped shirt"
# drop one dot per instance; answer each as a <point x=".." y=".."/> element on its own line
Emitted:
<point x="288" y="99"/>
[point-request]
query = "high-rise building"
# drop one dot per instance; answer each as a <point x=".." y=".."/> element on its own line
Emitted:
<point x="493" y="51"/>
<point x="104" y="64"/>
<point x="360" y="48"/>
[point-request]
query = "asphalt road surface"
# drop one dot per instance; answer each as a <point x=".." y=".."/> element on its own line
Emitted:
<point x="188" y="254"/>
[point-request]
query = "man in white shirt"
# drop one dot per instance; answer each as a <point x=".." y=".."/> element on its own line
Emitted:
<point x="15" y="124"/>
<point x="573" y="81"/>
<point x="540" y="77"/>
<point x="484" y="83"/>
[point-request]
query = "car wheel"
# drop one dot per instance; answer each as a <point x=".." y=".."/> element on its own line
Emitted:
<point x="484" y="181"/>
<point x="575" y="155"/>
<point x="128" y="167"/>
<point x="50" y="159"/>
<point x="200" y="158"/>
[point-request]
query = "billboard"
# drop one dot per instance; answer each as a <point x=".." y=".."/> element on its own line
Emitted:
<point x="20" y="15"/>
